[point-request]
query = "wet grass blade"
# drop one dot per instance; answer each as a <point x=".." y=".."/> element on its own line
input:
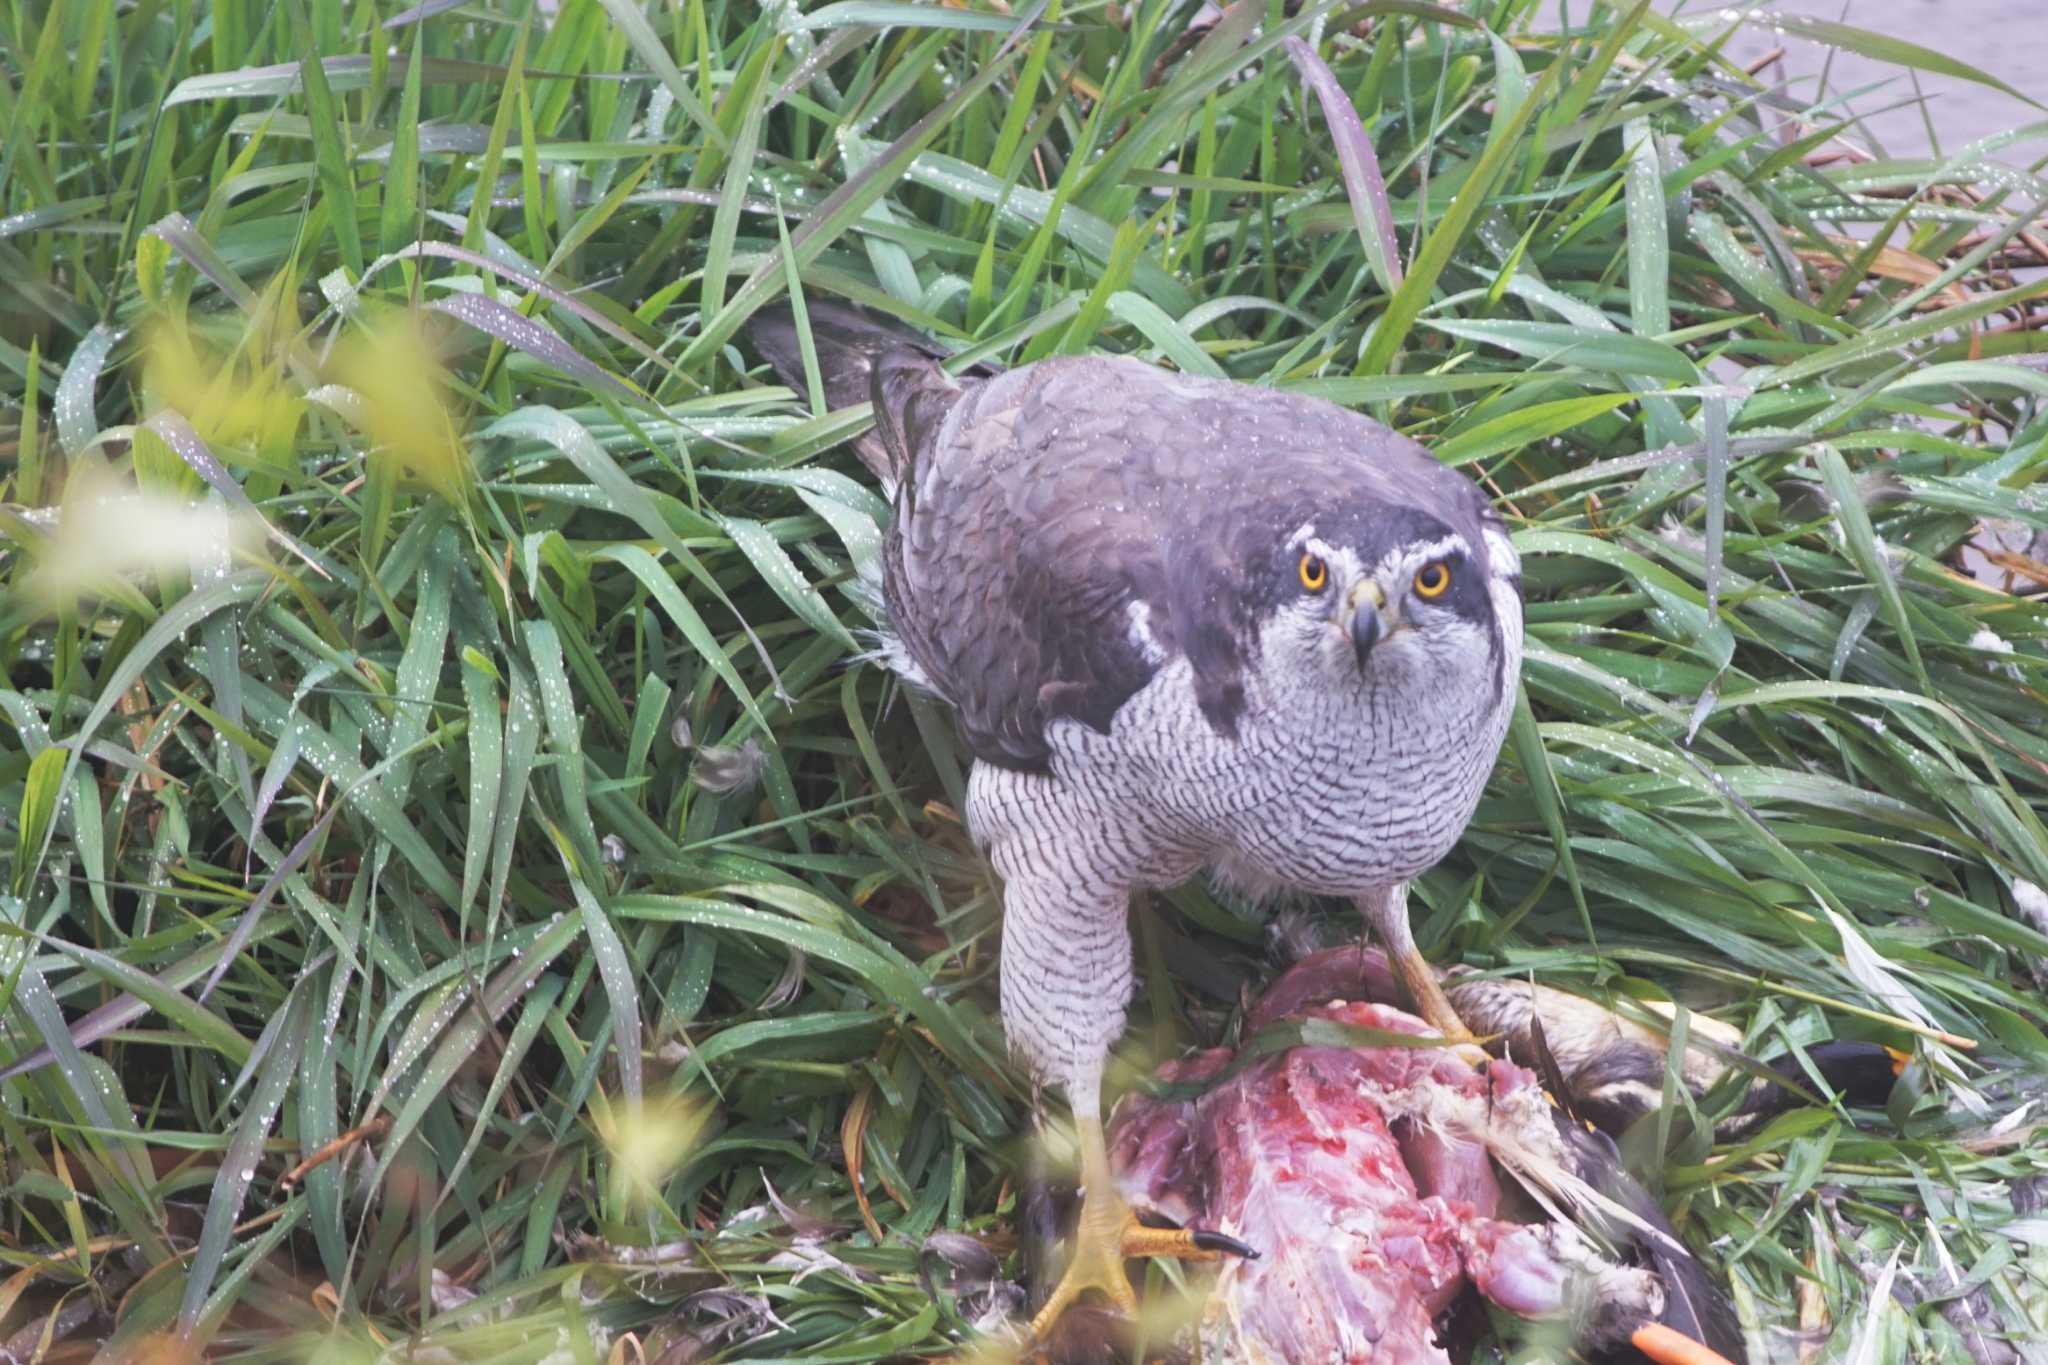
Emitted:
<point x="1448" y="237"/>
<point x="1364" y="187"/>
<point x="331" y="153"/>
<point x="244" y="1149"/>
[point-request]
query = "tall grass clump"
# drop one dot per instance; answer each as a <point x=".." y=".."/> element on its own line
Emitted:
<point x="458" y="899"/>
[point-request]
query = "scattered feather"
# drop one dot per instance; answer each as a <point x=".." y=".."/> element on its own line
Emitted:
<point x="729" y="770"/>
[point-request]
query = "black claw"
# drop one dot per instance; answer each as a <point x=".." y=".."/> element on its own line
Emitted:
<point x="1222" y="1241"/>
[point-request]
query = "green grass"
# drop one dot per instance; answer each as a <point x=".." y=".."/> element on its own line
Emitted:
<point x="382" y="815"/>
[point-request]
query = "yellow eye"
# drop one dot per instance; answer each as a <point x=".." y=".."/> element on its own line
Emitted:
<point x="1315" y="575"/>
<point x="1434" y="580"/>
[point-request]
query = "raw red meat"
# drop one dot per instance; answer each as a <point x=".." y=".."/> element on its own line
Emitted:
<point x="1366" y="1177"/>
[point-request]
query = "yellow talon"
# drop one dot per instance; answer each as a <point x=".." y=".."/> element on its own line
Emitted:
<point x="1109" y="1234"/>
<point x="1419" y="979"/>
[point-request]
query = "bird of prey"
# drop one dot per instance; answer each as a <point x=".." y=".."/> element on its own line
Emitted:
<point x="1183" y="623"/>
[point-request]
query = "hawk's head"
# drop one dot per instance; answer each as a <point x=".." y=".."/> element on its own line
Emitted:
<point x="1391" y="598"/>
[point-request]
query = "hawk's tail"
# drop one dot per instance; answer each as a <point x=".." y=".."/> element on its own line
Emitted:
<point x="863" y="358"/>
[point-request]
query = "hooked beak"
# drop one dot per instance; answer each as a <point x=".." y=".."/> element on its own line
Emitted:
<point x="1367" y="608"/>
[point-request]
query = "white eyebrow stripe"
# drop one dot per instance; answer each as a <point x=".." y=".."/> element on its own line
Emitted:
<point x="1302" y="536"/>
<point x="1423" y="552"/>
<point x="1437" y="549"/>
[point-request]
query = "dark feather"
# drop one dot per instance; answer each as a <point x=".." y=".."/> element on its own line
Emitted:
<point x="1214" y="626"/>
<point x="1860" y="1073"/>
<point x="912" y="396"/>
<point x="1693" y="1303"/>
<point x="861" y="359"/>
<point x="1551" y="1073"/>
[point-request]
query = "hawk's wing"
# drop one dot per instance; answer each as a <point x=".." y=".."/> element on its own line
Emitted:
<point x="1010" y="591"/>
<point x="1013" y="586"/>
<point x="1065" y="531"/>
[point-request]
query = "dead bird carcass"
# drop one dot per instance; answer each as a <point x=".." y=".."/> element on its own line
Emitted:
<point x="1364" y="1161"/>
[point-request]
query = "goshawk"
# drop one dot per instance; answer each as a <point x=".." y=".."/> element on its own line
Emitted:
<point x="1184" y="623"/>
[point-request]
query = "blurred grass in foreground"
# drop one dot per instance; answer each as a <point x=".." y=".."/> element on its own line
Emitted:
<point x="385" y="815"/>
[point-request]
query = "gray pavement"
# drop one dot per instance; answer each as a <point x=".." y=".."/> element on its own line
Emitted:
<point x="2007" y="38"/>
